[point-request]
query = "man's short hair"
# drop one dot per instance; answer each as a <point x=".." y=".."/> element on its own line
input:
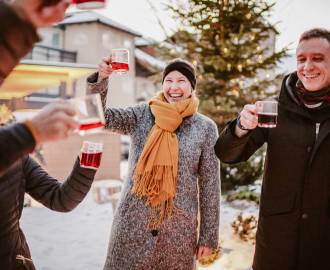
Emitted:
<point x="315" y="33"/>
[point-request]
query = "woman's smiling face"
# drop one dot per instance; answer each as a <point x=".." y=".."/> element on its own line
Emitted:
<point x="176" y="87"/>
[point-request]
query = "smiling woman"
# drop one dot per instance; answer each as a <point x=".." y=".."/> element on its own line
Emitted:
<point x="179" y="80"/>
<point x="173" y="175"/>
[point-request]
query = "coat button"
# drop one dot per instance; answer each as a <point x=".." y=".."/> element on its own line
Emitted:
<point x="309" y="148"/>
<point x="154" y="232"/>
<point x="304" y="216"/>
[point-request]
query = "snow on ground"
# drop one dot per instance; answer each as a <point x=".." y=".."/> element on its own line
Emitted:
<point x="237" y="255"/>
<point x="78" y="240"/>
<point x="68" y="241"/>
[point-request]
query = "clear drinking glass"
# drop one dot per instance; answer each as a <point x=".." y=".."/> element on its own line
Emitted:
<point x="267" y="113"/>
<point x="89" y="113"/>
<point x="120" y="60"/>
<point x="89" y="4"/>
<point x="91" y="153"/>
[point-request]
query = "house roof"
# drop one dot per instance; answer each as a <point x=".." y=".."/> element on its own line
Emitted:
<point x="149" y="62"/>
<point x="145" y="41"/>
<point x="91" y="16"/>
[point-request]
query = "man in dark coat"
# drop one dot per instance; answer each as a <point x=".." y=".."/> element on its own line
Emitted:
<point x="28" y="176"/>
<point x="294" y="220"/>
<point x="19" y="21"/>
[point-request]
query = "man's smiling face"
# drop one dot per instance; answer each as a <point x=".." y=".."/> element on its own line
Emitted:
<point x="313" y="63"/>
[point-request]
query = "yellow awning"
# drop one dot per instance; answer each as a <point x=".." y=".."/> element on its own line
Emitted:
<point x="31" y="76"/>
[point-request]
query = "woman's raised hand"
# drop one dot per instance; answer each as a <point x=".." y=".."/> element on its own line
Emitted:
<point x="104" y="68"/>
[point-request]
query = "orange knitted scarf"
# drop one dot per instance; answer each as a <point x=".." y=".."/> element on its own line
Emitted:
<point x="156" y="171"/>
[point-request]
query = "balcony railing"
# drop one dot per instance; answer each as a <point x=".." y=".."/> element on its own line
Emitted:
<point x="42" y="52"/>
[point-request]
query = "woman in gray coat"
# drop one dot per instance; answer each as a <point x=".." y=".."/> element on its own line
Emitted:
<point x="173" y="176"/>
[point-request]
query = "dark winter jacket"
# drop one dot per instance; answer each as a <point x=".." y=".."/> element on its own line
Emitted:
<point x="17" y="38"/>
<point x="16" y="141"/>
<point x="28" y="176"/>
<point x="294" y="220"/>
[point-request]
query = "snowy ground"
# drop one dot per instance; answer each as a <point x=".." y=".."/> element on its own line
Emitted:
<point x="78" y="240"/>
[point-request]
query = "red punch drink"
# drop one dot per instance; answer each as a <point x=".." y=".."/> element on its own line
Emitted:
<point x="89" y="4"/>
<point x="120" y="67"/>
<point x="267" y="120"/>
<point x="91" y="153"/>
<point x="267" y="113"/>
<point x="90" y="124"/>
<point x="89" y="160"/>
<point x="119" y="61"/>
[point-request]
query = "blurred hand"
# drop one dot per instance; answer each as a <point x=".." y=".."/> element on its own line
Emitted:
<point x="248" y="119"/>
<point x="55" y="122"/>
<point x="104" y="68"/>
<point x="39" y="14"/>
<point x="203" y="252"/>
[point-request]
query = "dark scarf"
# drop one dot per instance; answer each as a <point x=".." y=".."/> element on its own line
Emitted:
<point x="318" y="113"/>
<point x="312" y="97"/>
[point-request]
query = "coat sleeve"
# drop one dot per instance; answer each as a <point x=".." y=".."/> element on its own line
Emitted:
<point x="118" y="120"/>
<point x="209" y="191"/>
<point x="16" y="141"/>
<point x="61" y="197"/>
<point x="17" y="38"/>
<point x="232" y="149"/>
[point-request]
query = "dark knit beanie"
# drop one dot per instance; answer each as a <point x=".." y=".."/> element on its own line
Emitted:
<point x="184" y="67"/>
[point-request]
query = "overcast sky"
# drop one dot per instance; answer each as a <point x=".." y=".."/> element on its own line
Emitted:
<point x="297" y="16"/>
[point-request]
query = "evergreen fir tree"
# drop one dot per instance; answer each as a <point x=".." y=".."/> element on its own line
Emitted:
<point x="227" y="41"/>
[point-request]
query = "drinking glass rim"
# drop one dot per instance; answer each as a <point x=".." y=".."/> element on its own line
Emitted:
<point x="268" y="101"/>
<point x="90" y="147"/>
<point x="126" y="50"/>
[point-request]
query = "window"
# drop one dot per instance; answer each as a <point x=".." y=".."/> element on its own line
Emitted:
<point x="56" y="40"/>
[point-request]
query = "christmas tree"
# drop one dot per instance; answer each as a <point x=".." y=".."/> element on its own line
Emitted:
<point x="231" y="42"/>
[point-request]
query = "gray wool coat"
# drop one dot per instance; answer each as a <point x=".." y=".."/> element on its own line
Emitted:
<point x="132" y="244"/>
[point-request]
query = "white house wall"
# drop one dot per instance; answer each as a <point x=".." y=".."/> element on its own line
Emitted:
<point x="93" y="41"/>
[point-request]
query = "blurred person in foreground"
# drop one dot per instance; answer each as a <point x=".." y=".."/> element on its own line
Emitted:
<point x="294" y="220"/>
<point x="26" y="176"/>
<point x="173" y="176"/>
<point x="19" y="20"/>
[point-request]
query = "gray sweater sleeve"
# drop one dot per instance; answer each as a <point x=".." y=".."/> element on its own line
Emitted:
<point x="123" y="121"/>
<point x="62" y="197"/>
<point x="209" y="191"/>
